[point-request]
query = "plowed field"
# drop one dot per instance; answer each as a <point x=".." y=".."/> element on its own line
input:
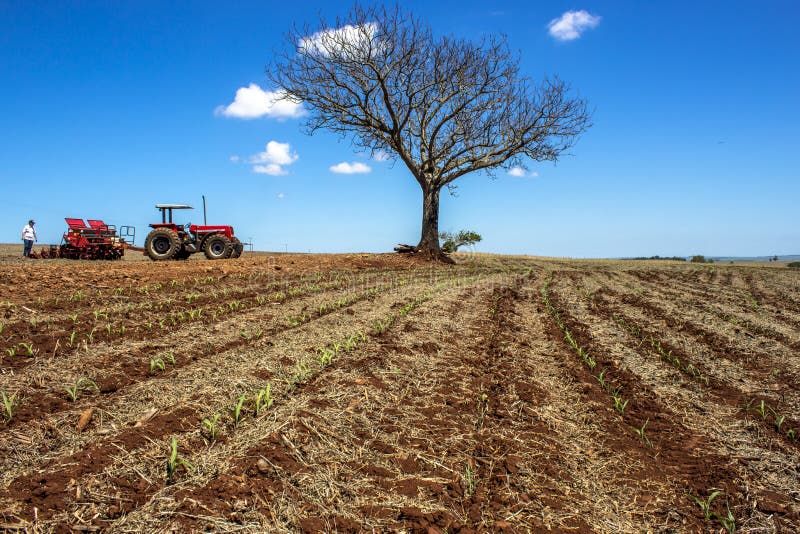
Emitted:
<point x="375" y="393"/>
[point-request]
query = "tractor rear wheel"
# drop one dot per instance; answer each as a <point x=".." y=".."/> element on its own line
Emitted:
<point x="237" y="249"/>
<point x="161" y="244"/>
<point x="217" y="247"/>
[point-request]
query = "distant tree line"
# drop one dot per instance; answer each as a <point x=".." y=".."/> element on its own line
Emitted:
<point x="672" y="258"/>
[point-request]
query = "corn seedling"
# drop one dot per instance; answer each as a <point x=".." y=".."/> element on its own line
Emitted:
<point x="175" y="461"/>
<point x="602" y="380"/>
<point x="705" y="505"/>
<point x="211" y="425"/>
<point x="157" y="364"/>
<point x="301" y="372"/>
<point x="170" y="357"/>
<point x="381" y="326"/>
<point x="469" y="479"/>
<point x="10" y="404"/>
<point x="11" y="351"/>
<point x="72" y="338"/>
<point x="263" y="400"/>
<point x="641" y="433"/>
<point x="761" y="408"/>
<point x="620" y="404"/>
<point x="74" y="317"/>
<point x="191" y="297"/>
<point x="82" y="384"/>
<point x="236" y="411"/>
<point x="325" y="356"/>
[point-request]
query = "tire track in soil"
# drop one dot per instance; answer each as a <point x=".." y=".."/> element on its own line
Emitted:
<point x="92" y="461"/>
<point x="686" y="458"/>
<point x="700" y="406"/>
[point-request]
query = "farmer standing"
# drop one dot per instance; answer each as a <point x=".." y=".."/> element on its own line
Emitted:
<point x="28" y="237"/>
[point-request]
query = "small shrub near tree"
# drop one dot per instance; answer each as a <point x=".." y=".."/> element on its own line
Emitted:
<point x="794" y="265"/>
<point x="701" y="259"/>
<point x="451" y="242"/>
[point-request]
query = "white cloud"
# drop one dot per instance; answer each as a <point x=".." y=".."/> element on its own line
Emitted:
<point x="521" y="172"/>
<point x="253" y="102"/>
<point x="235" y="158"/>
<point x="572" y="24"/>
<point x="381" y="156"/>
<point x="271" y="169"/>
<point x="280" y="196"/>
<point x="350" y="168"/>
<point x="329" y="42"/>
<point x="273" y="159"/>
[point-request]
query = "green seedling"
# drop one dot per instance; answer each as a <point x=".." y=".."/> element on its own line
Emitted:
<point x="263" y="400"/>
<point x="191" y="297"/>
<point x="211" y="425"/>
<point x="170" y="357"/>
<point x="620" y="404"/>
<point x="761" y="409"/>
<point x="72" y="338"/>
<point x="779" y="419"/>
<point x="469" y="478"/>
<point x="100" y="313"/>
<point x="28" y="348"/>
<point x="601" y="379"/>
<point x="74" y="317"/>
<point x="728" y="521"/>
<point x="237" y="409"/>
<point x="705" y="505"/>
<point x="82" y="384"/>
<point x="641" y="433"/>
<point x="11" y="351"/>
<point x="10" y="404"/>
<point x="157" y="364"/>
<point x="325" y="356"/>
<point x="175" y="461"/>
<point x="301" y="371"/>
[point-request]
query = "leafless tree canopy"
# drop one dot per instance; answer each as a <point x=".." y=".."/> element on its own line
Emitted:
<point x="444" y="106"/>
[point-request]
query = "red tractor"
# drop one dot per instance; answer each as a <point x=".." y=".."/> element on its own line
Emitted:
<point x="170" y="241"/>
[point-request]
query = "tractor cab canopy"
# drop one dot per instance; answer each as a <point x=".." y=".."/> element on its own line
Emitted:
<point x="166" y="211"/>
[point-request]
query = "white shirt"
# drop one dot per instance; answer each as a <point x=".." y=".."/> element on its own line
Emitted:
<point x="28" y="233"/>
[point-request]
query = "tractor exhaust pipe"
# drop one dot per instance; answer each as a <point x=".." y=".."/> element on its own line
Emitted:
<point x="204" y="211"/>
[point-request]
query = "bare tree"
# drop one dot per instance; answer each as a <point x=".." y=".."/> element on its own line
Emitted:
<point x="444" y="106"/>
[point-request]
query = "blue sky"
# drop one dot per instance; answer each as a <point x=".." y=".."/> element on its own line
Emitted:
<point x="108" y="108"/>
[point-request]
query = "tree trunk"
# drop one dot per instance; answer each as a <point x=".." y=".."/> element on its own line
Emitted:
<point x="429" y="242"/>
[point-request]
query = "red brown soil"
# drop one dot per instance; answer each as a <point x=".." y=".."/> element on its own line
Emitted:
<point x="446" y="420"/>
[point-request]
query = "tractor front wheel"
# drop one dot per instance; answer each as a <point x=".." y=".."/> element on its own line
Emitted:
<point x="217" y="247"/>
<point x="161" y="244"/>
